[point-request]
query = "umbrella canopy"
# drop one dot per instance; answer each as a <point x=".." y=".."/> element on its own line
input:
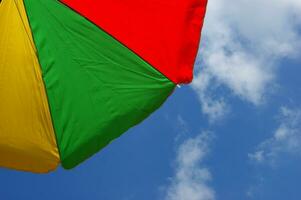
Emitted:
<point x="77" y="74"/>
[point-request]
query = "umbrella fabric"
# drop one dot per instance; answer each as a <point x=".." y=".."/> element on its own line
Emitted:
<point x="75" y="75"/>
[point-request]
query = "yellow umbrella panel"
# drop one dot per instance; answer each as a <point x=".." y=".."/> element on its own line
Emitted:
<point x="27" y="139"/>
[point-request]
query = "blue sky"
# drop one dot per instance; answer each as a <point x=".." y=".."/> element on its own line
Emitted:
<point x="233" y="134"/>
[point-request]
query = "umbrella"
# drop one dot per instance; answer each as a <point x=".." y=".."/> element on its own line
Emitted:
<point x="76" y="74"/>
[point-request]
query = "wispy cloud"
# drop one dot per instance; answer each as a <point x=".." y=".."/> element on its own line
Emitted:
<point x="242" y="42"/>
<point x="191" y="177"/>
<point x="214" y="108"/>
<point x="285" y="140"/>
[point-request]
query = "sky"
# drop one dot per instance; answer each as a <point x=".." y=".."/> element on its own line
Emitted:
<point x="233" y="134"/>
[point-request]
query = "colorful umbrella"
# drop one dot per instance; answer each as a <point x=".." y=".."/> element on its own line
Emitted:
<point x="76" y="74"/>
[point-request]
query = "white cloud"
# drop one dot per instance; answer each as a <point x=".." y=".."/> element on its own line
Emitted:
<point x="286" y="139"/>
<point x="182" y="125"/>
<point x="214" y="108"/>
<point x="242" y="42"/>
<point x="253" y="190"/>
<point x="191" y="179"/>
<point x="257" y="156"/>
<point x="182" y="128"/>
